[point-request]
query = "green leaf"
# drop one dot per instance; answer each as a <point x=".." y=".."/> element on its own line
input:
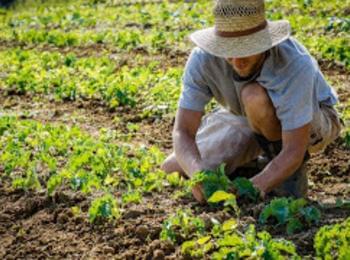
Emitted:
<point x="294" y="225"/>
<point x="265" y="214"/>
<point x="245" y="188"/>
<point x="203" y="240"/>
<point x="228" y="225"/>
<point x="187" y="247"/>
<point x="332" y="241"/>
<point x="311" y="214"/>
<point x="296" y="205"/>
<point x="54" y="181"/>
<point x="220" y="196"/>
<point x="104" y="207"/>
<point x="181" y="224"/>
<point x="281" y="213"/>
<point x="278" y="208"/>
<point x="211" y="181"/>
<point x="230" y="240"/>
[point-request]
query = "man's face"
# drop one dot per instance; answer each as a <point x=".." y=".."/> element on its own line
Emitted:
<point x="247" y="66"/>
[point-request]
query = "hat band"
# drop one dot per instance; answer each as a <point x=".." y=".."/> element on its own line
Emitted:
<point x="241" y="33"/>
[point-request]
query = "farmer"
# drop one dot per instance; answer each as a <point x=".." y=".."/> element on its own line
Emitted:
<point x="273" y="95"/>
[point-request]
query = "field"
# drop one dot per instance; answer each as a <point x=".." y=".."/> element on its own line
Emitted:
<point x="88" y="94"/>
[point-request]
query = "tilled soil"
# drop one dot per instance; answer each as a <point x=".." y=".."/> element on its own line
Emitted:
<point x="35" y="226"/>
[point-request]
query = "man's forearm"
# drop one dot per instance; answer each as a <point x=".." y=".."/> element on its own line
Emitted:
<point x="278" y="170"/>
<point x="186" y="152"/>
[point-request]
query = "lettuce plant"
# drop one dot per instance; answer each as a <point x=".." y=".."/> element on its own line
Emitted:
<point x="294" y="214"/>
<point x="333" y="241"/>
<point x="181" y="226"/>
<point x="225" y="241"/>
<point x="212" y="181"/>
<point x="245" y="188"/>
<point x="217" y="180"/>
<point x="104" y="207"/>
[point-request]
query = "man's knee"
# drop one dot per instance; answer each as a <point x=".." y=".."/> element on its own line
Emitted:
<point x="260" y="111"/>
<point x="254" y="96"/>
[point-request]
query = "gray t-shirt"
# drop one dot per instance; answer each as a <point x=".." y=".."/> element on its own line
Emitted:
<point x="290" y="75"/>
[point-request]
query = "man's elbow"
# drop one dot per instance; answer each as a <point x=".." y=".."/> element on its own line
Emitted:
<point x="176" y="134"/>
<point x="180" y="132"/>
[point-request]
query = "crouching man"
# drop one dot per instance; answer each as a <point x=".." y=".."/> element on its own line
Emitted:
<point x="274" y="100"/>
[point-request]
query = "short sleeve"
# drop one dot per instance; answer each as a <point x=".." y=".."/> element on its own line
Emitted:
<point x="195" y="92"/>
<point x="292" y="94"/>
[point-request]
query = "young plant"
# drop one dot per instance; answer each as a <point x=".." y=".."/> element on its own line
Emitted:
<point x="29" y="182"/>
<point x="104" y="207"/>
<point x="228" y="199"/>
<point x="217" y="180"/>
<point x="245" y="189"/>
<point x="333" y="241"/>
<point x="292" y="213"/>
<point x="212" y="181"/>
<point x="181" y="226"/>
<point x="347" y="138"/>
<point x="225" y="241"/>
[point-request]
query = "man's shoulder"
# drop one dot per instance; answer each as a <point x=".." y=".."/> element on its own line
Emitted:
<point x="201" y="56"/>
<point x="291" y="53"/>
<point x="289" y="57"/>
<point x="289" y="64"/>
<point x="204" y="63"/>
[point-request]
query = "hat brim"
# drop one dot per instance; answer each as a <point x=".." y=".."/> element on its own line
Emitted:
<point x="235" y="47"/>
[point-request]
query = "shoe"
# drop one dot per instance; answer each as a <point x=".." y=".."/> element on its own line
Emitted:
<point x="297" y="184"/>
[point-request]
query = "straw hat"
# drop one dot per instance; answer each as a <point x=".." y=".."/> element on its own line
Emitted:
<point x="240" y="30"/>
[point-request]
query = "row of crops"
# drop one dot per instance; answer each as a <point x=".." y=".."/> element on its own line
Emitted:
<point x="67" y="77"/>
<point x="226" y="241"/>
<point x="322" y="26"/>
<point x="130" y="54"/>
<point x="37" y="156"/>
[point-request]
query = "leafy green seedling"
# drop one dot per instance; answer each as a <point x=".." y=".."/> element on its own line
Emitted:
<point x="29" y="182"/>
<point x="181" y="226"/>
<point x="333" y="241"/>
<point x="212" y="181"/>
<point x="174" y="179"/>
<point x="245" y="189"/>
<point x="76" y="211"/>
<point x="132" y="196"/>
<point x="226" y="241"/>
<point x="197" y="248"/>
<point x="104" y="207"/>
<point x="289" y="212"/>
<point x="229" y="200"/>
<point x="347" y="138"/>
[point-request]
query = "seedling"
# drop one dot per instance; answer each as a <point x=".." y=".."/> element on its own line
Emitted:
<point x="347" y="138"/>
<point x="225" y="241"/>
<point x="292" y="213"/>
<point x="181" y="226"/>
<point x="217" y="180"/>
<point x="333" y="241"/>
<point x="229" y="200"/>
<point x="29" y="182"/>
<point x="212" y="181"/>
<point x="245" y="189"/>
<point x="104" y="208"/>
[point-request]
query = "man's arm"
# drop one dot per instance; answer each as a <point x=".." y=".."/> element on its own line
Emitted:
<point x="286" y="162"/>
<point x="186" y="151"/>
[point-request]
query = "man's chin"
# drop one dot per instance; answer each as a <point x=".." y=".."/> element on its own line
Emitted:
<point x="244" y="75"/>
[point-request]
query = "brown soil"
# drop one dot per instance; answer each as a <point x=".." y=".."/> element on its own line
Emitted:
<point x="34" y="226"/>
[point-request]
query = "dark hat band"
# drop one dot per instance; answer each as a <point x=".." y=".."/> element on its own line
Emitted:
<point x="241" y="33"/>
